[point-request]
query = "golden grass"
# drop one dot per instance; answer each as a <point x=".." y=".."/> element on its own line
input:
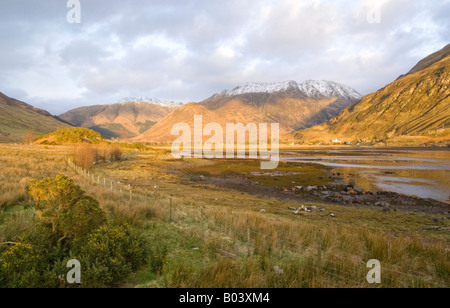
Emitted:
<point x="238" y="246"/>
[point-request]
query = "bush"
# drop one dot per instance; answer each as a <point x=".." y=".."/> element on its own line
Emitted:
<point x="109" y="255"/>
<point x="20" y="266"/>
<point x="64" y="205"/>
<point x="71" y="226"/>
<point x="158" y="259"/>
<point x="83" y="217"/>
<point x="74" y="135"/>
<point x="52" y="195"/>
<point x="85" y="156"/>
<point x="116" y="154"/>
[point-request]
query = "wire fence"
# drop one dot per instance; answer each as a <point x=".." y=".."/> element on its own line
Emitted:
<point x="322" y="261"/>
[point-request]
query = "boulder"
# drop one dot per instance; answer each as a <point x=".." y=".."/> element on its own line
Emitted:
<point x="383" y="204"/>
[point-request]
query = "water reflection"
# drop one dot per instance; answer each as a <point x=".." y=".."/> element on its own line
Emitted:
<point x="422" y="173"/>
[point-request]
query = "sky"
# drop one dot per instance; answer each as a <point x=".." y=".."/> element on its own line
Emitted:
<point x="188" y="50"/>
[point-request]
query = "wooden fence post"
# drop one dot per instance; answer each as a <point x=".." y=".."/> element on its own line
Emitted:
<point x="248" y="241"/>
<point x="170" y="210"/>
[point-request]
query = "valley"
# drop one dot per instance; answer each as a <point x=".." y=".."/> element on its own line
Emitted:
<point x="351" y="178"/>
<point x="201" y="224"/>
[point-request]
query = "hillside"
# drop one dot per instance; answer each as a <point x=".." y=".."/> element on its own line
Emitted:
<point x="414" y="107"/>
<point x="17" y="118"/>
<point x="431" y="59"/>
<point x="125" y="119"/>
<point x="293" y="105"/>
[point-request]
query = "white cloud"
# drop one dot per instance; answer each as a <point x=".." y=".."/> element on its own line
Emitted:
<point x="188" y="50"/>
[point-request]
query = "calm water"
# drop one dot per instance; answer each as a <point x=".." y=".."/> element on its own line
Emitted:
<point x="422" y="173"/>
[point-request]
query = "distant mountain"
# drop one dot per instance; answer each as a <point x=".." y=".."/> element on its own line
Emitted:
<point x="309" y="89"/>
<point x="416" y="105"/>
<point x="150" y="100"/>
<point x="17" y="118"/>
<point x="293" y="105"/>
<point x="126" y="119"/>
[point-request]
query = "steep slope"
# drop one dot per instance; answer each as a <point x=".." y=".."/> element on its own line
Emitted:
<point x="417" y="104"/>
<point x="292" y="105"/>
<point x="431" y="59"/>
<point x="161" y="132"/>
<point x="17" y="118"/>
<point x="125" y="119"/>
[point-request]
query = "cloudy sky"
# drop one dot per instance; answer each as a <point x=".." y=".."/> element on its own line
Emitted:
<point x="187" y="50"/>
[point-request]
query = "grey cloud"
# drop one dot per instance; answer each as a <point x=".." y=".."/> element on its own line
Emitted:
<point x="194" y="48"/>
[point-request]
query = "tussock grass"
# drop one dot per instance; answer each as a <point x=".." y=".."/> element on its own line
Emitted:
<point x="219" y="238"/>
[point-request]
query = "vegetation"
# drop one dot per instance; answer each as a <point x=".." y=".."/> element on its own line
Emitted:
<point x="105" y="132"/>
<point x="18" y="118"/>
<point x="71" y="135"/>
<point x="63" y="205"/>
<point x="86" y="155"/>
<point x="173" y="232"/>
<point x="115" y="130"/>
<point x="146" y="126"/>
<point x="70" y="225"/>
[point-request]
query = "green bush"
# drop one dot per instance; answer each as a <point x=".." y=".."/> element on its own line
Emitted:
<point x="65" y="206"/>
<point x="158" y="259"/>
<point x="21" y="266"/>
<point x="110" y="254"/>
<point x="71" y="226"/>
<point x="74" y="135"/>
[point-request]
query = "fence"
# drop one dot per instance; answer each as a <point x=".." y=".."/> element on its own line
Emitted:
<point x="125" y="191"/>
<point x="323" y="262"/>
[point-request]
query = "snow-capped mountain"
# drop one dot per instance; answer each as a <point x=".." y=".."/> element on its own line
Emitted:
<point x="150" y="101"/>
<point x="310" y="88"/>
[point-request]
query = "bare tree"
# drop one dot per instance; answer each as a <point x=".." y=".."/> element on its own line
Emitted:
<point x="28" y="138"/>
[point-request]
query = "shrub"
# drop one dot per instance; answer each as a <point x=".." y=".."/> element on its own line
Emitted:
<point x="71" y="226"/>
<point x="83" y="217"/>
<point x="109" y="255"/>
<point x="64" y="205"/>
<point x="74" y="135"/>
<point x="85" y="156"/>
<point x="20" y="266"/>
<point x="158" y="259"/>
<point x="116" y="154"/>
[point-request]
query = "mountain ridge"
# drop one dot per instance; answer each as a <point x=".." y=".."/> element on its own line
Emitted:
<point x="285" y="103"/>
<point x="122" y="120"/>
<point x="309" y="89"/>
<point x="415" y="106"/>
<point x="17" y="118"/>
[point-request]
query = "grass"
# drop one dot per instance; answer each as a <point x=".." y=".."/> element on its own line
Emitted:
<point x="207" y="236"/>
<point x="285" y="175"/>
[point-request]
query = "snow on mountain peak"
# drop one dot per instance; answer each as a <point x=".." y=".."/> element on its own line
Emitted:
<point x="150" y="100"/>
<point x="310" y="88"/>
